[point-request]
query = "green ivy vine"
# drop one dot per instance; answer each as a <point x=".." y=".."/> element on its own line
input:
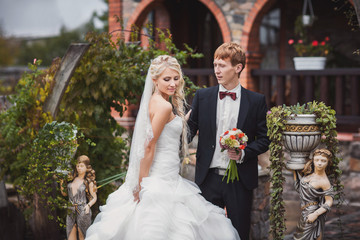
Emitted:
<point x="51" y="159"/>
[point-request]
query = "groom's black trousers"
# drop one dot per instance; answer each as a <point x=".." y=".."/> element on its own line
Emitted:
<point x="234" y="196"/>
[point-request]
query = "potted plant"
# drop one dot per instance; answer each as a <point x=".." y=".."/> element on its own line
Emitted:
<point x="302" y="134"/>
<point x="278" y="123"/>
<point x="311" y="52"/>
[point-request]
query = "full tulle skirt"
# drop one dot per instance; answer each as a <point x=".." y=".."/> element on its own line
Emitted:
<point x="169" y="209"/>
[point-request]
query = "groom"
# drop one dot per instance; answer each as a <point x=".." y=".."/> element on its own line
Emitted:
<point x="216" y="110"/>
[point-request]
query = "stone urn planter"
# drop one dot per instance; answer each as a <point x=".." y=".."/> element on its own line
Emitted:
<point x="302" y="135"/>
<point x="309" y="63"/>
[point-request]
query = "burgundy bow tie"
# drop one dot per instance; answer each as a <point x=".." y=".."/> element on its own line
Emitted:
<point x="231" y="94"/>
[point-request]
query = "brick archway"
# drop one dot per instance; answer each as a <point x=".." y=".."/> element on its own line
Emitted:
<point x="220" y="18"/>
<point x="144" y="6"/>
<point x="250" y="41"/>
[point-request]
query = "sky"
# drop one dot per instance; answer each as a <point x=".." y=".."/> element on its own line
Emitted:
<point x="40" y="18"/>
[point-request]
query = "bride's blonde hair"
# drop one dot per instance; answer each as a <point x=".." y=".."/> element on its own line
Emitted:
<point x="157" y="67"/>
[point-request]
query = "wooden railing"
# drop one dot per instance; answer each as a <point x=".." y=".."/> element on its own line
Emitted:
<point x="9" y="76"/>
<point x="201" y="76"/>
<point x="338" y="88"/>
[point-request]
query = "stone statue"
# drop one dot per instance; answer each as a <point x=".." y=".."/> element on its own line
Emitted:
<point x="82" y="195"/>
<point x="316" y="193"/>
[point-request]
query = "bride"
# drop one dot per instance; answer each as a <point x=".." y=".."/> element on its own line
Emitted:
<point x="155" y="202"/>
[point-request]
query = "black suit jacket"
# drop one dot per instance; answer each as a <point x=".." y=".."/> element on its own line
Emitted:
<point x="251" y="120"/>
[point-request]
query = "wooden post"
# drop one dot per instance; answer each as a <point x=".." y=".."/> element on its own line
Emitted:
<point x="280" y="88"/>
<point x="339" y="95"/>
<point x="266" y="83"/>
<point x="309" y="89"/>
<point x="294" y="92"/>
<point x="324" y="90"/>
<point x="3" y="195"/>
<point x="355" y="87"/>
<point x="63" y="76"/>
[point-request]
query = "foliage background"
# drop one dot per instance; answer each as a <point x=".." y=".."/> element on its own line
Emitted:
<point x="110" y="76"/>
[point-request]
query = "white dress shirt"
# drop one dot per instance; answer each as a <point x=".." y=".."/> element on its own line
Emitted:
<point x="227" y="113"/>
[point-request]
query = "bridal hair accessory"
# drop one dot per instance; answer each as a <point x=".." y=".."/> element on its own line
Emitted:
<point x="237" y="140"/>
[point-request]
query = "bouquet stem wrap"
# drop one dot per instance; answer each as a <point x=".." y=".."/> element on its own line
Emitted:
<point x="231" y="172"/>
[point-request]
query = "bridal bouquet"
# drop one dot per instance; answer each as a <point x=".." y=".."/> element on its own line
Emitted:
<point x="233" y="139"/>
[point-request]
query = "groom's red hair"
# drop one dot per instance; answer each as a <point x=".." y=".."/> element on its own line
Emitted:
<point x="232" y="51"/>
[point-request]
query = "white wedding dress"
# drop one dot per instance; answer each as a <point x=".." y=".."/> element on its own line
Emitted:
<point x="170" y="206"/>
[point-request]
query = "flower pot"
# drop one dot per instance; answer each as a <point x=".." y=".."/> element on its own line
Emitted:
<point x="302" y="135"/>
<point x="306" y="20"/>
<point x="309" y="63"/>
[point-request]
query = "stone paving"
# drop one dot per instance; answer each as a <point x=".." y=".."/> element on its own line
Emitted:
<point x="349" y="228"/>
<point x="349" y="216"/>
<point x="350" y="224"/>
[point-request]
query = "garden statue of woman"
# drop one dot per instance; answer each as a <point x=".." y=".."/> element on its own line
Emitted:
<point x="316" y="195"/>
<point x="82" y="195"/>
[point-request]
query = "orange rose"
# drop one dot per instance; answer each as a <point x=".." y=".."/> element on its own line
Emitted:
<point x="226" y="132"/>
<point x="232" y="137"/>
<point x="241" y="135"/>
<point x="234" y="129"/>
<point x="242" y="147"/>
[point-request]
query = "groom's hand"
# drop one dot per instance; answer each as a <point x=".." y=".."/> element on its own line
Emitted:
<point x="233" y="155"/>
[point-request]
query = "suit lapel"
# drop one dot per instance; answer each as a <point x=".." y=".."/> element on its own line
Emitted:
<point x="213" y="108"/>
<point x="244" y="108"/>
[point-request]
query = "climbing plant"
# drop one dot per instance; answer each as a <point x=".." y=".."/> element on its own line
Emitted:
<point x="20" y="124"/>
<point x="51" y="158"/>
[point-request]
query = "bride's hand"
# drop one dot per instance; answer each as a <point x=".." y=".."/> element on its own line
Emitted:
<point x="188" y="115"/>
<point x="136" y="195"/>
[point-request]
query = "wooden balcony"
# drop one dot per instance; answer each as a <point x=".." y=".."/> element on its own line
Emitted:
<point x="338" y="88"/>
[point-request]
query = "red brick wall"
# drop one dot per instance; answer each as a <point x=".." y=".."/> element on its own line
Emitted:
<point x="115" y="9"/>
<point x="220" y="18"/>
<point x="210" y="4"/>
<point x="250" y="40"/>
